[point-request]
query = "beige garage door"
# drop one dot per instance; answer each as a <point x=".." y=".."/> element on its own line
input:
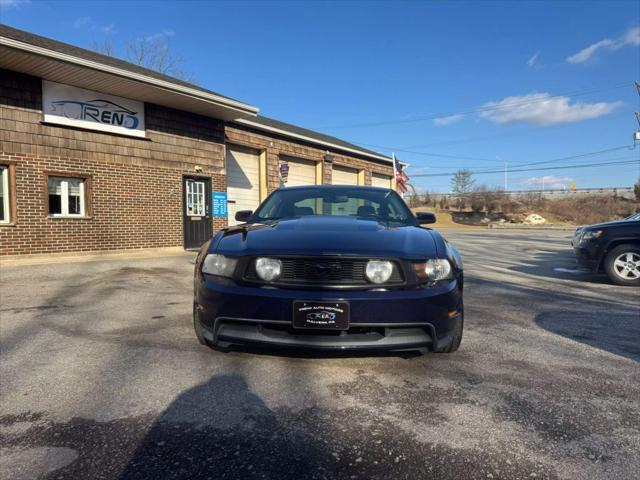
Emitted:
<point x="379" y="180"/>
<point x="243" y="180"/>
<point x="301" y="172"/>
<point x="344" y="176"/>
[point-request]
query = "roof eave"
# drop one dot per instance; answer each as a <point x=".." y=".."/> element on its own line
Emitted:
<point x="259" y="126"/>
<point x="236" y="109"/>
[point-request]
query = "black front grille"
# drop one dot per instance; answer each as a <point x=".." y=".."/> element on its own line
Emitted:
<point x="324" y="271"/>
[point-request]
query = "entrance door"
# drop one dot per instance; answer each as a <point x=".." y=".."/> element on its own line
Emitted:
<point x="197" y="211"/>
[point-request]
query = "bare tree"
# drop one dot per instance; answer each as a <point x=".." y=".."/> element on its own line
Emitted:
<point x="105" y="48"/>
<point x="636" y="190"/>
<point x="152" y="53"/>
<point x="461" y="185"/>
<point x="484" y="199"/>
<point x="155" y="54"/>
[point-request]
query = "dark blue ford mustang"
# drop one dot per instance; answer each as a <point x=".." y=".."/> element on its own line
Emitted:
<point x="330" y="267"/>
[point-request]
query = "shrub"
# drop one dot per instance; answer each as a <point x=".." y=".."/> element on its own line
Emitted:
<point x="511" y="205"/>
<point x="591" y="209"/>
<point x="484" y="199"/>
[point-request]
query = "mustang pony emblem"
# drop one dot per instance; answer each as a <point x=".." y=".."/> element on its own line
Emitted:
<point x="323" y="269"/>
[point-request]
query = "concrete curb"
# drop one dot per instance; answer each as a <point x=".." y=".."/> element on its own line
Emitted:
<point x="92" y="256"/>
<point x="522" y="226"/>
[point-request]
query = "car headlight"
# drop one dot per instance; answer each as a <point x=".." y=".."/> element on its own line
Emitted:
<point x="220" y="265"/>
<point x="268" y="269"/>
<point x="434" y="269"/>
<point x="379" y="271"/>
<point x="590" y="235"/>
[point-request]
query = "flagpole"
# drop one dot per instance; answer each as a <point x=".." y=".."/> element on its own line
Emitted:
<point x="394" y="177"/>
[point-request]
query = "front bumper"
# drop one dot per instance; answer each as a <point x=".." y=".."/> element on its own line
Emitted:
<point x="379" y="320"/>
<point x="588" y="255"/>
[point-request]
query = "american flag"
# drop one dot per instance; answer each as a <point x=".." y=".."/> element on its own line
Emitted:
<point x="401" y="177"/>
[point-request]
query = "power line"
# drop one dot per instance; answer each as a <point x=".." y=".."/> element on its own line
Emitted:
<point x="460" y="141"/>
<point x="588" y="165"/>
<point x="474" y="110"/>
<point x="571" y="157"/>
<point x="461" y="157"/>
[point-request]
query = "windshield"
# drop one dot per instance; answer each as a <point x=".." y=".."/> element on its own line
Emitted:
<point x="635" y="216"/>
<point x="368" y="203"/>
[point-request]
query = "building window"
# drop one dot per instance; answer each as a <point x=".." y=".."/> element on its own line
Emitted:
<point x="5" y="215"/>
<point x="195" y="198"/>
<point x="66" y="197"/>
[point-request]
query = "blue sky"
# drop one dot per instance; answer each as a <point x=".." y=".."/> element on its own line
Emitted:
<point x="444" y="85"/>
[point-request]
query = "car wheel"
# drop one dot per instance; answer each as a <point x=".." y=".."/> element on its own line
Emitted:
<point x="622" y="265"/>
<point x="198" y="328"/>
<point x="457" y="337"/>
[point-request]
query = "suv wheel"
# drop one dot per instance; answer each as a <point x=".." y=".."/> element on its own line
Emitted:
<point x="622" y="265"/>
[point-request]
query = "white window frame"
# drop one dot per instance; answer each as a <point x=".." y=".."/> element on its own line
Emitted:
<point x="6" y="203"/>
<point x="64" y="201"/>
<point x="195" y="198"/>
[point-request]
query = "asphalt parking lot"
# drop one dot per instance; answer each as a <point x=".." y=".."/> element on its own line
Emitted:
<point x="102" y="378"/>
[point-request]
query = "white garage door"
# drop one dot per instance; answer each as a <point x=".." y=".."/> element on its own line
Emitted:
<point x="379" y="180"/>
<point x="243" y="180"/>
<point x="344" y="176"/>
<point x="301" y="172"/>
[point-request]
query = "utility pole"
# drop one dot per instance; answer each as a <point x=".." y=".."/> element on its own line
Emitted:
<point x="506" y="166"/>
<point x="543" y="184"/>
<point x="636" y="135"/>
<point x="506" y="176"/>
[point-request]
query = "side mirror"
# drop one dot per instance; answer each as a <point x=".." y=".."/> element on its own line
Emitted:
<point x="425" y="217"/>
<point x="243" y="215"/>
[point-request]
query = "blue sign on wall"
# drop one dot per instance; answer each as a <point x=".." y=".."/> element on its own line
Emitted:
<point x="219" y="204"/>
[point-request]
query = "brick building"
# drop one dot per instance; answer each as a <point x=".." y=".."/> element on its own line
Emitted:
<point x="100" y="154"/>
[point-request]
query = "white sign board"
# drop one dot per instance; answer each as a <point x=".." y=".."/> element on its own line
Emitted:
<point x="77" y="107"/>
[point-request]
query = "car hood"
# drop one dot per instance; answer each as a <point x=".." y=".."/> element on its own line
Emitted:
<point x="613" y="223"/>
<point x="326" y="235"/>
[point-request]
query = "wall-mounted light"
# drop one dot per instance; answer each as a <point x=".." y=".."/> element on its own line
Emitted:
<point x="328" y="157"/>
<point x="198" y="168"/>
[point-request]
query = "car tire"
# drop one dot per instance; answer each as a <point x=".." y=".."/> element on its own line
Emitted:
<point x="457" y="337"/>
<point x="617" y="262"/>
<point x="198" y="328"/>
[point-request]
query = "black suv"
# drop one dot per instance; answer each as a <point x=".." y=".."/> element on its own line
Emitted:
<point x="611" y="247"/>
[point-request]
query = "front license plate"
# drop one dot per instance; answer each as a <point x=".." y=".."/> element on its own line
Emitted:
<point x="321" y="315"/>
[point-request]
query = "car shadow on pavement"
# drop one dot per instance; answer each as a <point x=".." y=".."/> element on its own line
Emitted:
<point x="558" y="264"/>
<point x="316" y="354"/>
<point x="615" y="332"/>
<point x="221" y="429"/>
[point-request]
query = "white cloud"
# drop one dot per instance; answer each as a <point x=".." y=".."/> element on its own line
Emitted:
<point x="82" y="22"/>
<point x="543" y="109"/>
<point x="88" y="23"/>
<point x="630" y="37"/>
<point x="13" y="3"/>
<point x="419" y="170"/>
<point x="159" y="35"/>
<point x="548" y="181"/>
<point x="534" y="58"/>
<point x="111" y="28"/>
<point x="444" y="121"/>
